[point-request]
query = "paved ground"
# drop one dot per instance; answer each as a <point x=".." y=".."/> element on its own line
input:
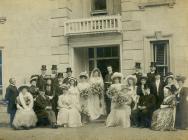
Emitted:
<point x="95" y="131"/>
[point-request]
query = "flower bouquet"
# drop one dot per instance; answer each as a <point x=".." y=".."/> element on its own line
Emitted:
<point x="119" y="99"/>
<point x="84" y="93"/>
<point x="112" y="91"/>
<point x="97" y="89"/>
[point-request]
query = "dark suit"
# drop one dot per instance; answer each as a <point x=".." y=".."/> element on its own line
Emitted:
<point x="11" y="95"/>
<point x="34" y="91"/>
<point x="138" y="76"/>
<point x="41" y="83"/>
<point x="139" y="90"/>
<point x="108" y="82"/>
<point x="142" y="117"/>
<point x="159" y="94"/>
<point x="182" y="109"/>
<point x="40" y="109"/>
<point x="151" y="78"/>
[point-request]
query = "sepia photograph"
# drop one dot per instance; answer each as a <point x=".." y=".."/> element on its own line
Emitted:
<point x="93" y="69"/>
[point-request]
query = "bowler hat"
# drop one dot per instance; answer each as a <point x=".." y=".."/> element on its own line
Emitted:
<point x="54" y="67"/>
<point x="138" y="65"/>
<point x="153" y="64"/>
<point x="69" y="70"/>
<point x="43" y="67"/>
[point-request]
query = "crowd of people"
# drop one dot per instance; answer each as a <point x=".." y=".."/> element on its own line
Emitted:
<point x="137" y="100"/>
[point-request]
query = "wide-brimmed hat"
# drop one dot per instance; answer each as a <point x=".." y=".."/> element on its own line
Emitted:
<point x="117" y="75"/>
<point x="153" y="64"/>
<point x="60" y="75"/>
<point x="133" y="77"/>
<point x="54" y="67"/>
<point x="83" y="74"/>
<point x="169" y="75"/>
<point x="138" y="65"/>
<point x="43" y="67"/>
<point x="181" y="78"/>
<point x="144" y="76"/>
<point x="72" y="79"/>
<point x="34" y="78"/>
<point x="64" y="87"/>
<point x="68" y="70"/>
<point x="23" y="87"/>
<point x="124" y="86"/>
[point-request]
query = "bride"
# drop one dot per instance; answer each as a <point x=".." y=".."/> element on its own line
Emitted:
<point x="96" y="104"/>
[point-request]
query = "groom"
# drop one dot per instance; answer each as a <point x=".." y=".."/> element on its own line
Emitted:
<point x="108" y="82"/>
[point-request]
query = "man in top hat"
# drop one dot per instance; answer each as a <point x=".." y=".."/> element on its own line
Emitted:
<point x="151" y="74"/>
<point x="33" y="89"/>
<point x="69" y="75"/>
<point x="157" y="89"/>
<point x="54" y="75"/>
<point x="182" y="104"/>
<point x="138" y="72"/>
<point x="41" y="80"/>
<point x="10" y="96"/>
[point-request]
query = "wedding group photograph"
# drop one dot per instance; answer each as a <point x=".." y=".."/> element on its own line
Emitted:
<point x="93" y="69"/>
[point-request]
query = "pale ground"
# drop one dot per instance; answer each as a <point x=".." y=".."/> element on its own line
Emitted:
<point x="94" y="131"/>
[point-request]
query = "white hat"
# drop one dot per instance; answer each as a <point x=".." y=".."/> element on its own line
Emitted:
<point x="117" y="75"/>
<point x="131" y="77"/>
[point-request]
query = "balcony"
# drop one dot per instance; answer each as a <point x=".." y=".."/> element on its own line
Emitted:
<point x="93" y="25"/>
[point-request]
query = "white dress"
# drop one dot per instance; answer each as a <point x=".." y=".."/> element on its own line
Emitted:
<point x="69" y="111"/>
<point x="96" y="104"/>
<point x="25" y="116"/>
<point x="120" y="115"/>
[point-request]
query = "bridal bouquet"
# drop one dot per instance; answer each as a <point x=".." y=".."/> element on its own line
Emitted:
<point x="84" y="92"/>
<point x="112" y="91"/>
<point x="120" y="99"/>
<point x="96" y="88"/>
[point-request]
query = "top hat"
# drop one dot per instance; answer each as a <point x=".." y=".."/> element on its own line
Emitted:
<point x="117" y="75"/>
<point x="60" y="75"/>
<point x="34" y="78"/>
<point x="54" y="67"/>
<point x="43" y="67"/>
<point x="153" y="64"/>
<point x="83" y="74"/>
<point x="138" y="65"/>
<point x="69" y="70"/>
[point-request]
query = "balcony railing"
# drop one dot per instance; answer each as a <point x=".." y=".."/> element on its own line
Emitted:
<point x="102" y="24"/>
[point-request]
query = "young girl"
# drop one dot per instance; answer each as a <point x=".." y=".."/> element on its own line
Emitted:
<point x="68" y="115"/>
<point x="84" y="93"/>
<point x="25" y="117"/>
<point x="96" y="99"/>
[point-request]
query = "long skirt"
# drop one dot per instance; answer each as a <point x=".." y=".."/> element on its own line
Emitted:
<point x="163" y="119"/>
<point x="119" y="117"/>
<point x="70" y="117"/>
<point x="25" y="118"/>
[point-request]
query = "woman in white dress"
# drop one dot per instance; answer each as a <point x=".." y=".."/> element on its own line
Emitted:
<point x="96" y="104"/>
<point x="68" y="115"/>
<point x="25" y="117"/>
<point x="84" y="93"/>
<point x="121" y="101"/>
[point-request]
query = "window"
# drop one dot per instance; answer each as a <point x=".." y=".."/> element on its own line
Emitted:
<point x="1" y="80"/>
<point x="161" y="56"/>
<point x="101" y="57"/>
<point x="99" y="7"/>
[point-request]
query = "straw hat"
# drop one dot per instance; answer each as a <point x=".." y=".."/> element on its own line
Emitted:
<point x="117" y="75"/>
<point x="133" y="77"/>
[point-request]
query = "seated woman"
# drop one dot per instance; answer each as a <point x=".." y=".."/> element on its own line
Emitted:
<point x="68" y="115"/>
<point x="25" y="117"/>
<point x="121" y="111"/>
<point x="164" y="118"/>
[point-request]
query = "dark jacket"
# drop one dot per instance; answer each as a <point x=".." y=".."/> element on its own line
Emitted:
<point x="139" y="90"/>
<point x="34" y="91"/>
<point x="108" y="81"/>
<point x="138" y="76"/>
<point x="151" y="78"/>
<point x="11" y="95"/>
<point x="40" y="106"/>
<point x="158" y="95"/>
<point x="41" y="82"/>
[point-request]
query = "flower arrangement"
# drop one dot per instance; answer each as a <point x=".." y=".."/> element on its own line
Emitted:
<point x="97" y="89"/>
<point x="112" y="91"/>
<point x="119" y="99"/>
<point x="84" y="92"/>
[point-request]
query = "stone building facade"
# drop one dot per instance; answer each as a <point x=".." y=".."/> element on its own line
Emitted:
<point x="85" y="34"/>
